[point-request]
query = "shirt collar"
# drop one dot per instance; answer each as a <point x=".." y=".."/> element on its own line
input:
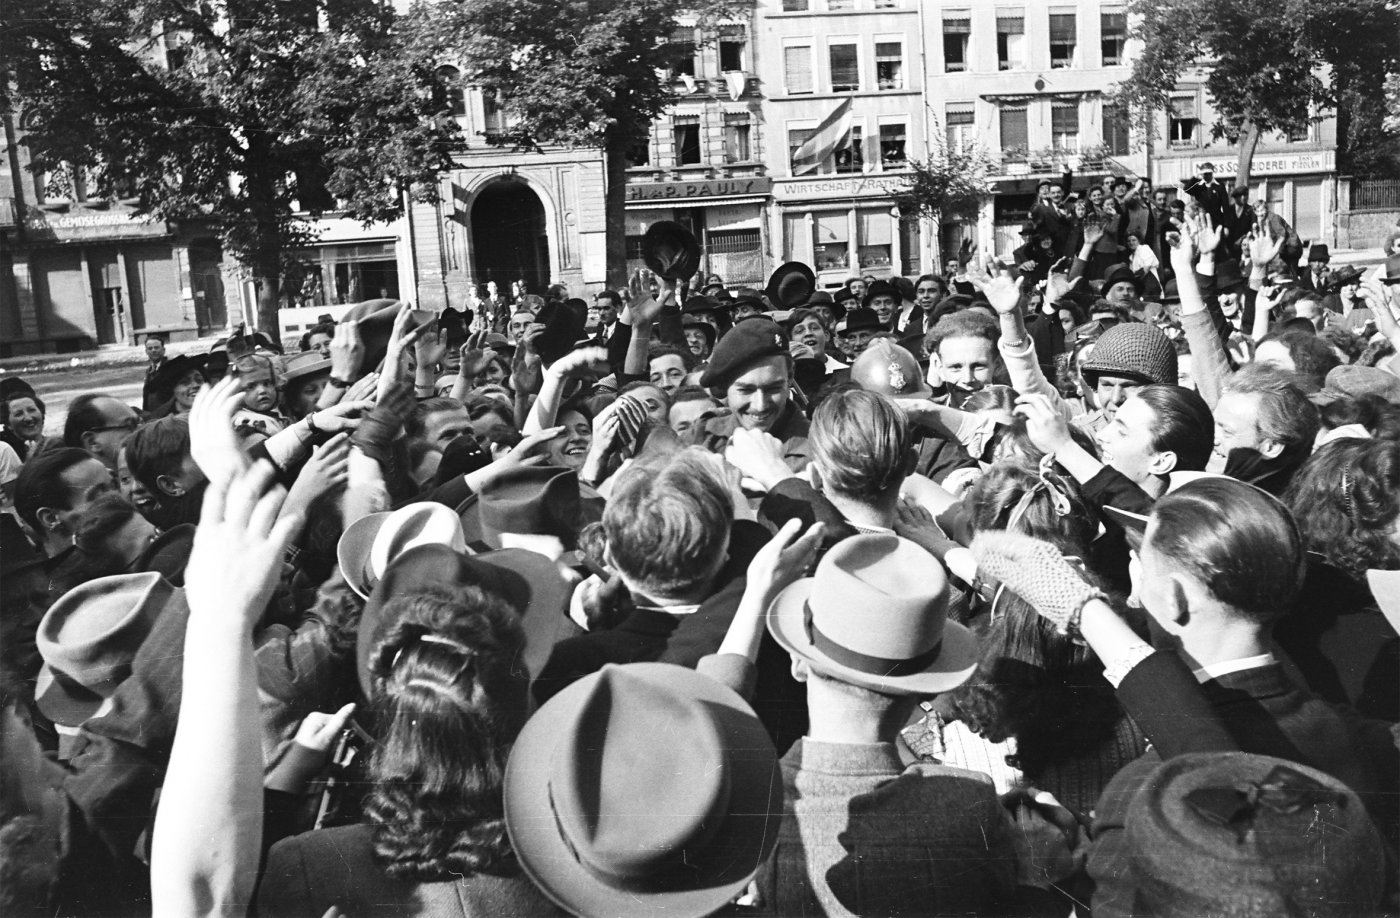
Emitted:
<point x="1239" y="664"/>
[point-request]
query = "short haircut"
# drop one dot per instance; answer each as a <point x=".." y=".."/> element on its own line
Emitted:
<point x="667" y="525"/>
<point x="936" y="278"/>
<point x="962" y="324"/>
<point x="1239" y="541"/>
<point x="1312" y="358"/>
<point x="692" y="394"/>
<point x="156" y="449"/>
<point x="417" y="421"/>
<point x="162" y="337"/>
<point x="83" y="415"/>
<point x="658" y="349"/>
<point x="1184" y="424"/>
<point x="1286" y="415"/>
<point x="40" y="482"/>
<point x="609" y="295"/>
<point x="861" y="444"/>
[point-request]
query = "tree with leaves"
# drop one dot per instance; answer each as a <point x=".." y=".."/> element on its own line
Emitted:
<point x="235" y="113"/>
<point x="1270" y="65"/>
<point x="580" y="74"/>
<point x="952" y="184"/>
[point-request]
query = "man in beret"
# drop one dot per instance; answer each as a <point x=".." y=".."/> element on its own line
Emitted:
<point x="751" y="372"/>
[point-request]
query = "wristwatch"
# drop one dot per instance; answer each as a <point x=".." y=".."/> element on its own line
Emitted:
<point x="335" y="382"/>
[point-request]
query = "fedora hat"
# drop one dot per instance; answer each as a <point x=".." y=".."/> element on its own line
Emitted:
<point x="824" y="298"/>
<point x="644" y="789"/>
<point x="875" y="615"/>
<point x="1392" y="270"/>
<point x="370" y="543"/>
<point x="890" y="370"/>
<point x="880" y="288"/>
<point x="531" y="500"/>
<point x="302" y="365"/>
<point x="376" y="321"/>
<point x="862" y="319"/>
<point x="88" y="639"/>
<point x="791" y="285"/>
<point x="527" y="581"/>
<point x="671" y="251"/>
<point x="705" y="328"/>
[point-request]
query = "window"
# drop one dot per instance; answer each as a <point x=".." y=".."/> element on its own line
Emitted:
<point x="1011" y="40"/>
<point x="889" y="65"/>
<point x="794" y="6"/>
<point x="736" y="138"/>
<point x="681" y="50"/>
<point x="1113" y="30"/>
<point x="1115" y="130"/>
<point x="845" y="68"/>
<point x="796" y="138"/>
<point x="851" y="156"/>
<point x="494" y="112"/>
<point x="957" y="32"/>
<point x="1184" y="121"/>
<point x="892" y="146"/>
<point x="838" y="5"/>
<point x="960" y="123"/>
<point x="639" y="154"/>
<point x="1301" y="135"/>
<point x="876" y="228"/>
<point x="833" y="240"/>
<point x="732" y="44"/>
<point x="1014" y="132"/>
<point x="797" y="69"/>
<point x="1064" y="126"/>
<point x="1063" y="39"/>
<point x="687" y="144"/>
<point x="454" y="96"/>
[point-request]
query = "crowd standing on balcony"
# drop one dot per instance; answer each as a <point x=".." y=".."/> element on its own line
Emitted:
<point x="1066" y="583"/>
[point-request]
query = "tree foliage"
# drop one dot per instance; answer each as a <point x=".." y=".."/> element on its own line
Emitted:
<point x="234" y="112"/>
<point x="578" y="73"/>
<point x="951" y="184"/>
<point x="1271" y="65"/>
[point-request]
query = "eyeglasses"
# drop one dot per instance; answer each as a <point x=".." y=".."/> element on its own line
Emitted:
<point x="128" y="426"/>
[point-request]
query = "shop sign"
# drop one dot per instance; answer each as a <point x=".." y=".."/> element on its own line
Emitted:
<point x="698" y="191"/>
<point x="1282" y="163"/>
<point x="856" y="186"/>
<point x="90" y="224"/>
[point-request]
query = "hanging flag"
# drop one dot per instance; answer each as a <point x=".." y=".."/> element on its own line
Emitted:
<point x="735" y="80"/>
<point x="825" y="140"/>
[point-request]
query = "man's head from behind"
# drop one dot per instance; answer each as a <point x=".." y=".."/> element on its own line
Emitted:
<point x="667" y="526"/>
<point x="861" y="446"/>
<point x="1301" y="353"/>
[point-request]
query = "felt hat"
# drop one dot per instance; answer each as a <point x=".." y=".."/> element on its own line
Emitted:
<point x="746" y="344"/>
<point x="703" y="303"/>
<point x="1228" y="276"/>
<point x="376" y="321"/>
<point x="1121" y="274"/>
<point x="562" y="330"/>
<point x="527" y="581"/>
<point x="531" y="500"/>
<point x="1351" y="274"/>
<point x="875" y="615"/>
<point x="1134" y="350"/>
<point x="299" y="366"/>
<point x="168" y="554"/>
<point x="845" y="298"/>
<point x="456" y="323"/>
<point x="1318" y="251"/>
<point x="644" y="789"/>
<point x="705" y="328"/>
<point x="14" y="387"/>
<point x="88" y="639"/>
<point x="1028" y="228"/>
<point x="1392" y="270"/>
<point x="671" y="251"/>
<point x="862" y="319"/>
<point x="1240" y="834"/>
<point x="880" y="288"/>
<point x="890" y="370"/>
<point x="751" y="299"/>
<point x="370" y="543"/>
<point x="1350" y="381"/>
<point x="824" y="298"/>
<point x="176" y="368"/>
<point x="791" y="285"/>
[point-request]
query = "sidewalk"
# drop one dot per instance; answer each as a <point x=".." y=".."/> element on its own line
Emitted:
<point x="111" y="355"/>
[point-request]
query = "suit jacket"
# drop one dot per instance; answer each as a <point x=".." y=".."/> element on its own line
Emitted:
<point x="1265" y="713"/>
<point x="1053" y="222"/>
<point x="1213" y="197"/>
<point x="309" y="873"/>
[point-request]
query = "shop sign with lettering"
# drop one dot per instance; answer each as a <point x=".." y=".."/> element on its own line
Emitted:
<point x="699" y="191"/>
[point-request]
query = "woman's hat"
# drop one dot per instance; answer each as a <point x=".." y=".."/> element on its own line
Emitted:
<point x="875" y="615"/>
<point x="671" y="251"/>
<point x="645" y="789"/>
<point x="372" y="542"/>
<point x="527" y="581"/>
<point x="1234" y="833"/>
<point x="791" y="285"/>
<point x="175" y="369"/>
<point x="89" y="638"/>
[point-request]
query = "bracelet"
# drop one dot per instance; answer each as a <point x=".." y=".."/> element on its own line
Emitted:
<point x="311" y="423"/>
<point x="335" y="382"/>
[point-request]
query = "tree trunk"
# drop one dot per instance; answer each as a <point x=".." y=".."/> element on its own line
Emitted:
<point x="615" y="208"/>
<point x="1249" y="142"/>
<point x="267" y="280"/>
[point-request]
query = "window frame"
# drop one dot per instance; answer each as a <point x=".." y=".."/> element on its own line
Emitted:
<point x="1064" y="63"/>
<point x="811" y="72"/>
<point x="678" y="148"/>
<point x="1173" y="119"/>
<point x="889" y="40"/>
<point x="1004" y="62"/>
<point x="1120" y="38"/>
<point x="891" y="121"/>
<point x="843" y="42"/>
<point x="966" y="36"/>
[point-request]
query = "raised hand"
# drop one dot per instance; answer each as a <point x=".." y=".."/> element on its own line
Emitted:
<point x="1208" y="235"/>
<point x="785" y="559"/>
<point x="347" y="351"/>
<point x="1004" y="293"/>
<point x="326" y="470"/>
<point x="1093" y="231"/>
<point x="1263" y="248"/>
<point x="213" y="445"/>
<point x="1045" y="425"/>
<point x="431" y="348"/>
<point x="758" y="456"/>
<point x="580" y="362"/>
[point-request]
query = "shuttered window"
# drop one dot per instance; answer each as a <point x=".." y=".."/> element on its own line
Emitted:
<point x="797" y="69"/>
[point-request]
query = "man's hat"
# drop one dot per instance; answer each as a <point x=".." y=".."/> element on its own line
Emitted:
<point x="880" y="288"/>
<point x="890" y="370"/>
<point x="875" y="615"/>
<point x="372" y="542"/>
<point x="747" y="344"/>
<point x="644" y="789"/>
<point x="531" y="500"/>
<point x="528" y="581"/>
<point x="89" y="638"/>
<point x="791" y="285"/>
<point x="456" y="323"/>
<point x="307" y="363"/>
<point x="704" y="303"/>
<point x="1117" y="274"/>
<point x="1239" y="191"/>
<point x="1318" y="251"/>
<point x="1228" y="276"/>
<point x="1028" y="228"/>
<point x="823" y="298"/>
<point x="671" y="251"/>
<point x="1206" y="167"/>
<point x="1349" y="381"/>
<point x="376" y="321"/>
<point x="1392" y="270"/>
<point x="1133" y="350"/>
<point x="862" y="319"/>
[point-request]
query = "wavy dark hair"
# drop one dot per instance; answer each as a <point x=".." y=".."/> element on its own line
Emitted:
<point x="1349" y="493"/>
<point x="1380" y="417"/>
<point x="448" y="701"/>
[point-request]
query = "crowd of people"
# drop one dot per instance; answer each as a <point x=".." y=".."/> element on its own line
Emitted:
<point x="1066" y="583"/>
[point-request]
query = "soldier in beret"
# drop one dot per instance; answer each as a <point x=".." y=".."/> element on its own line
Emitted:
<point x="751" y="372"/>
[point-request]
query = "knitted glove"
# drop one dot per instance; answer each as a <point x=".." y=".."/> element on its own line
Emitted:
<point x="378" y="429"/>
<point x="1039" y="574"/>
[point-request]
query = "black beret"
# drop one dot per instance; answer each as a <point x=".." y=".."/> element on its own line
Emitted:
<point x="748" y="343"/>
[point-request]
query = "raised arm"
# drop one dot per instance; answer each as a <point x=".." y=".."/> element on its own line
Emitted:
<point x="1209" y="362"/>
<point x="556" y="380"/>
<point x="1016" y="347"/>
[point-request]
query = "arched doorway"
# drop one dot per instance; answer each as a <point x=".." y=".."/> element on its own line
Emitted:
<point x="509" y="236"/>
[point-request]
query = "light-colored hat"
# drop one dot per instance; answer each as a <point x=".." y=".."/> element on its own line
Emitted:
<point x="366" y="548"/>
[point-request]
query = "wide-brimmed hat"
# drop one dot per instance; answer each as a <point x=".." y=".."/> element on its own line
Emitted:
<point x="1318" y="251"/>
<point x="671" y="251"/>
<point x="1348" y="274"/>
<point x="174" y="369"/>
<point x="370" y="543"/>
<point x="529" y="582"/>
<point x="791" y="285"/>
<point x="875" y="615"/>
<point x="530" y="500"/>
<point x="376" y="321"/>
<point x="89" y="638"/>
<point x="302" y="365"/>
<point x="168" y="555"/>
<point x="1138" y="351"/>
<point x="1235" y="833"/>
<point x="703" y="303"/>
<point x="890" y="370"/>
<point x="824" y="298"/>
<point x="644" y="789"/>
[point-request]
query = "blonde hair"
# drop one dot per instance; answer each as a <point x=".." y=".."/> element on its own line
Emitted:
<point x="860" y="443"/>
